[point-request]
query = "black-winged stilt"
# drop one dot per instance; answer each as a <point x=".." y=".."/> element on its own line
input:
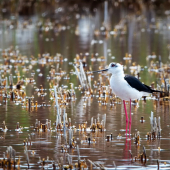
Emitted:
<point x="126" y="87"/>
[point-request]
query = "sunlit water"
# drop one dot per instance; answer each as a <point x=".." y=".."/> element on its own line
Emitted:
<point x="141" y="38"/>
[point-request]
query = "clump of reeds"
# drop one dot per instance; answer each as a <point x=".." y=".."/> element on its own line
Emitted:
<point x="9" y="160"/>
<point x="155" y="128"/>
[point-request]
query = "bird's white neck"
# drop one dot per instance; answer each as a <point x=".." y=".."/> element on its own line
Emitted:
<point x="119" y="75"/>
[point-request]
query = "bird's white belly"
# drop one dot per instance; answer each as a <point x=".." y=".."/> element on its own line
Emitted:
<point x="123" y="90"/>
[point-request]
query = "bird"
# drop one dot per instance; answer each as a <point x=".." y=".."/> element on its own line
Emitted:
<point x="126" y="87"/>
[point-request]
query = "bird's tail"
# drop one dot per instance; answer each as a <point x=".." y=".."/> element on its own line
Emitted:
<point x="157" y="91"/>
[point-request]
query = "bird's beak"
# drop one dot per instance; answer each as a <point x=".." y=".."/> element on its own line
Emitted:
<point x="100" y="70"/>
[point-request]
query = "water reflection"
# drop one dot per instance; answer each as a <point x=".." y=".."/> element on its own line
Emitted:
<point x="84" y="31"/>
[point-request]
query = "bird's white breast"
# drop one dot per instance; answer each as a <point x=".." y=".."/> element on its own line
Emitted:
<point x="123" y="90"/>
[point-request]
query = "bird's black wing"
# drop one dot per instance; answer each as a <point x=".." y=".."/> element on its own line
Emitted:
<point x="152" y="89"/>
<point x="135" y="83"/>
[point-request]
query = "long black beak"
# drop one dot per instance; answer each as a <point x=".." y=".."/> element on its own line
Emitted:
<point x="100" y="70"/>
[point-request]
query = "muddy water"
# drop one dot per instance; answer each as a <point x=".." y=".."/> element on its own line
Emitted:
<point x="75" y="35"/>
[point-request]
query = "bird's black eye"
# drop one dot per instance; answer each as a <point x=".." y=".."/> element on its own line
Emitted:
<point x="112" y="65"/>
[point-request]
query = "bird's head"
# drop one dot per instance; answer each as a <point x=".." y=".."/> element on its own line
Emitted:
<point x="114" y="68"/>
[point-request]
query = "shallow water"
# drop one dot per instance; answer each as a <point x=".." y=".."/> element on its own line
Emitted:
<point x="76" y="36"/>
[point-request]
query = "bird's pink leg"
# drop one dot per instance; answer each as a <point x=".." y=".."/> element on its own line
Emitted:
<point x="126" y="116"/>
<point x="126" y="129"/>
<point x="130" y="121"/>
<point x="125" y="110"/>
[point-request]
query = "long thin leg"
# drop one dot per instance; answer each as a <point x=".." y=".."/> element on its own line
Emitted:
<point x="125" y="111"/>
<point x="126" y="128"/>
<point x="126" y="116"/>
<point x="130" y="121"/>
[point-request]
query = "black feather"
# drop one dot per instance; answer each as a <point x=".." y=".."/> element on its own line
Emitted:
<point x="135" y="83"/>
